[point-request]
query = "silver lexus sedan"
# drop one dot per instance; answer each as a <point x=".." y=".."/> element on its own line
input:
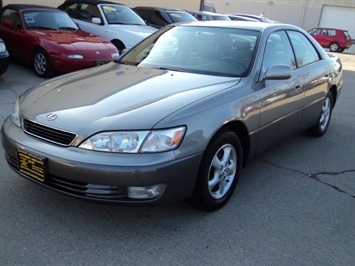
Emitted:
<point x="175" y="117"/>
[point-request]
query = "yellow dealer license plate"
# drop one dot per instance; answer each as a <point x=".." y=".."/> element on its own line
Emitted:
<point x="32" y="165"/>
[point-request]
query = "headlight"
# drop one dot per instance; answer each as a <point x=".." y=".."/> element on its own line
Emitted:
<point x="136" y="141"/>
<point x="114" y="55"/>
<point x="2" y="47"/>
<point x="15" y="116"/>
<point x="76" y="56"/>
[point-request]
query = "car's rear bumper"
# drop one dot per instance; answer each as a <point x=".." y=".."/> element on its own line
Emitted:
<point x="102" y="176"/>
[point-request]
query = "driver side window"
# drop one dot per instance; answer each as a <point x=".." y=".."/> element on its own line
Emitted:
<point x="278" y="51"/>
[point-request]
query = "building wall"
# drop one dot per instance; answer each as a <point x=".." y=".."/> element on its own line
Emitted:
<point x="303" y="13"/>
<point x="185" y="4"/>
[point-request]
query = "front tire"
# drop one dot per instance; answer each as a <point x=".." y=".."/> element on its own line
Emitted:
<point x="323" y="122"/>
<point x="42" y="64"/>
<point x="219" y="172"/>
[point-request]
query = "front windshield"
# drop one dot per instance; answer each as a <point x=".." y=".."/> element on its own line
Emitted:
<point x="120" y="14"/>
<point x="48" y="20"/>
<point x="207" y="50"/>
<point x="181" y="17"/>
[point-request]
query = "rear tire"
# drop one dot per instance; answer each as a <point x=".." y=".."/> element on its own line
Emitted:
<point x="323" y="122"/>
<point x="334" y="47"/>
<point x="219" y="172"/>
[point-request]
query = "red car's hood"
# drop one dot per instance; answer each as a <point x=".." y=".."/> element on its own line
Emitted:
<point x="77" y="38"/>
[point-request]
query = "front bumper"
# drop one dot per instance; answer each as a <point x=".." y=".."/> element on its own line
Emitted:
<point x="69" y="65"/>
<point x="101" y="176"/>
<point x="4" y="62"/>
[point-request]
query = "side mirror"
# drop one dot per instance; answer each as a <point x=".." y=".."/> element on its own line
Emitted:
<point x="96" y="20"/>
<point x="277" y="72"/>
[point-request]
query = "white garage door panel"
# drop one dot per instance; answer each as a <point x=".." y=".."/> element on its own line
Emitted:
<point x="339" y="17"/>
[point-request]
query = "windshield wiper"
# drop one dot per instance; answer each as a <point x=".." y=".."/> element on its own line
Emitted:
<point x="40" y="27"/>
<point x="67" y="28"/>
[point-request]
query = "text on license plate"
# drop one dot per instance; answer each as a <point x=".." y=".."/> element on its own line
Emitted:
<point x="101" y="62"/>
<point x="32" y="165"/>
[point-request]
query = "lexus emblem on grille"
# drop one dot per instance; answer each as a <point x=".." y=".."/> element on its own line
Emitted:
<point x="97" y="52"/>
<point x="52" y="116"/>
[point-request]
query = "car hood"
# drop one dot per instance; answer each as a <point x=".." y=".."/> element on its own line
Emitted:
<point x="77" y="38"/>
<point x="116" y="97"/>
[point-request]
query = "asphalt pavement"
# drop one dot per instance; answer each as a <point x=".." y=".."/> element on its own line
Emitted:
<point x="295" y="205"/>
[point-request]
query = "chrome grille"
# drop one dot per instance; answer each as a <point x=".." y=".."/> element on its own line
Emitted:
<point x="47" y="133"/>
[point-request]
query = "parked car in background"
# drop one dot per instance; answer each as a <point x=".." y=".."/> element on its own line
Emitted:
<point x="114" y="22"/>
<point x="259" y="18"/>
<point x="4" y="57"/>
<point x="176" y="117"/>
<point x="337" y="40"/>
<point x="241" y="18"/>
<point x="204" y="15"/>
<point x="50" y="40"/>
<point x="160" y="17"/>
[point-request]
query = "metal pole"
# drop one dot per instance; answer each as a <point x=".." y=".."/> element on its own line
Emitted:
<point x="202" y="4"/>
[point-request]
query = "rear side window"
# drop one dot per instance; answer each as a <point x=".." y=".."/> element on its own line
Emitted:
<point x="328" y="32"/>
<point x="347" y="34"/>
<point x="71" y="10"/>
<point x="304" y="50"/>
<point x="9" y="14"/>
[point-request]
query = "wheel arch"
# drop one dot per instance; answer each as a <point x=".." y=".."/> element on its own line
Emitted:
<point x="333" y="90"/>
<point x="119" y="44"/>
<point x="240" y="129"/>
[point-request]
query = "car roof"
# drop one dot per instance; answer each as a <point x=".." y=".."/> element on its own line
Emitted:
<point x="206" y="13"/>
<point x="93" y="2"/>
<point x="259" y="26"/>
<point x="97" y="2"/>
<point x="327" y="28"/>
<point x="161" y="9"/>
<point x="18" y="7"/>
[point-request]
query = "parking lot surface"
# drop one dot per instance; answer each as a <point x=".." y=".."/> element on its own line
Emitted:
<point x="295" y="205"/>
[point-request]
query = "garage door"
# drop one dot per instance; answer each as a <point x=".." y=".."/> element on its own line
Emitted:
<point x="338" y="17"/>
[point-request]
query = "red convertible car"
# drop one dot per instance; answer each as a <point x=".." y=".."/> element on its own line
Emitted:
<point x="50" y="40"/>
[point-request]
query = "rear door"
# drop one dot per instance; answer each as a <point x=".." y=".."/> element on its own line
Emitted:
<point x="281" y="101"/>
<point x="315" y="72"/>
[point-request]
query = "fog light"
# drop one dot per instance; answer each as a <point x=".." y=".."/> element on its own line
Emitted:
<point x="146" y="192"/>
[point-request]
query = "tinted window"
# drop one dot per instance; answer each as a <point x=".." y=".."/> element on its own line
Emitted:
<point x="8" y="14"/>
<point x="304" y="50"/>
<point x="157" y="19"/>
<point x="71" y="10"/>
<point x="278" y="51"/>
<point x="87" y="12"/>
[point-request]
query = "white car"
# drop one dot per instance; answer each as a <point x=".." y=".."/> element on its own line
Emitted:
<point x="114" y="22"/>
